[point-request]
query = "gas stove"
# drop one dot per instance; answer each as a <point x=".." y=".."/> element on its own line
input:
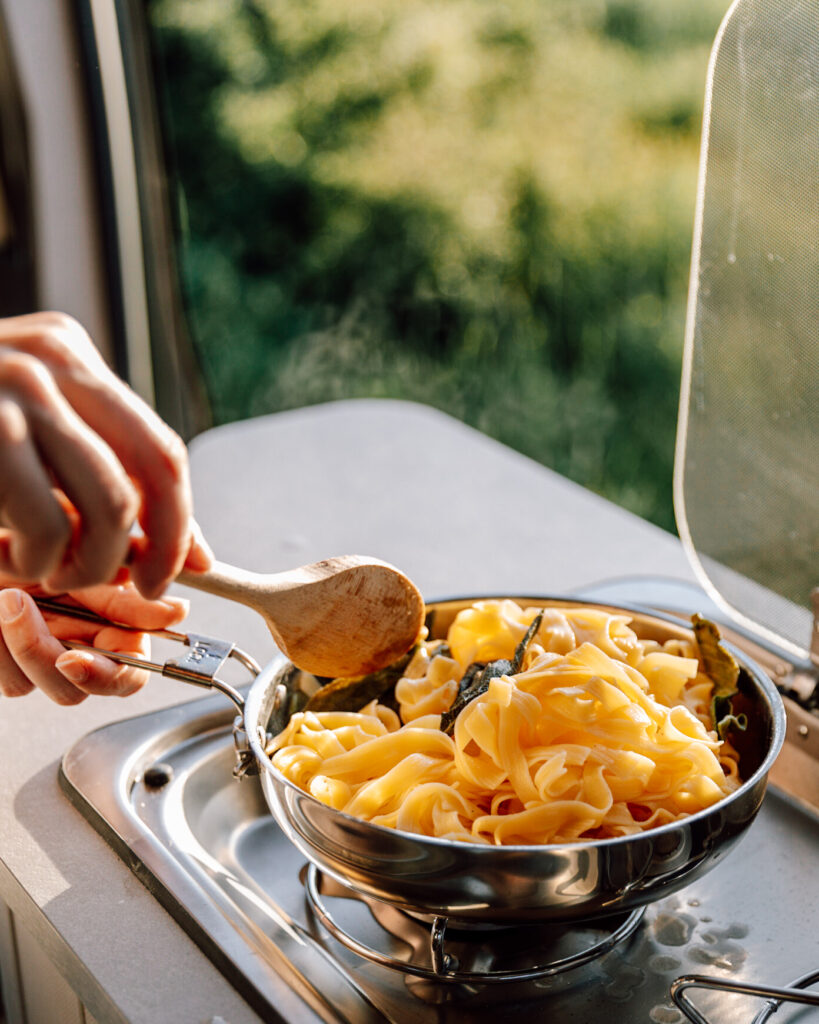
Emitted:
<point x="160" y="789"/>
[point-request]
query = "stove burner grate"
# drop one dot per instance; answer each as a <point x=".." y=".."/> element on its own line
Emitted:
<point x="429" y="942"/>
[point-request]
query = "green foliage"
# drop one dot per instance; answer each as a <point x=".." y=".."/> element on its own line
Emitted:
<point x="653" y="27"/>
<point x="484" y="207"/>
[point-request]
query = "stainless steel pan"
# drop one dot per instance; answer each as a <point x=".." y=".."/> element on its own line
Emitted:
<point x="489" y="884"/>
<point x="516" y="883"/>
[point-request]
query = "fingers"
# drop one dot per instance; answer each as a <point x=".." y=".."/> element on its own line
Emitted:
<point x="31" y="654"/>
<point x="200" y="557"/>
<point x="29" y="651"/>
<point x="98" y="675"/>
<point x="13" y="682"/>
<point x="157" y="461"/>
<point x="39" y="530"/>
<point x="148" y="452"/>
<point x="95" y="674"/>
<point x="56" y="339"/>
<point x="153" y="456"/>
<point x="82" y="464"/>
<point x="123" y="603"/>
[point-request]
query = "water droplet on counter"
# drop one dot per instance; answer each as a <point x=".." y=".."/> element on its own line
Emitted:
<point x="666" y="1015"/>
<point x="623" y="985"/>
<point x="673" y="929"/>
<point x="732" y="931"/>
<point x="729" y="957"/>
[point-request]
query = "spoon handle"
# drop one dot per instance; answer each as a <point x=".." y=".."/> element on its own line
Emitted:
<point x="228" y="581"/>
<point x="266" y="591"/>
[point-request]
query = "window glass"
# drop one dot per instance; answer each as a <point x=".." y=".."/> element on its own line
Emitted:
<point x="483" y="206"/>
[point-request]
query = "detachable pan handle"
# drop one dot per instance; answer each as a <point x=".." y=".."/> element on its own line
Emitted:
<point x="198" y="665"/>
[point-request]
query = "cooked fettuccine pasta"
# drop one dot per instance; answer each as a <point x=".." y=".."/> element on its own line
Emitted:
<point x="596" y="733"/>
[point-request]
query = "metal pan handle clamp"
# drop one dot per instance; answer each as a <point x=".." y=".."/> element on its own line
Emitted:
<point x="198" y="666"/>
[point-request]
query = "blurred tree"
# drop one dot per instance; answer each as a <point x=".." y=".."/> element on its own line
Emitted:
<point x="482" y="206"/>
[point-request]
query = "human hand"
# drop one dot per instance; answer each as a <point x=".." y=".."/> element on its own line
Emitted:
<point x="32" y="654"/>
<point x="81" y="459"/>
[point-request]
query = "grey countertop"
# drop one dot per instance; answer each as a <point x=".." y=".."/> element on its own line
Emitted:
<point x="461" y="514"/>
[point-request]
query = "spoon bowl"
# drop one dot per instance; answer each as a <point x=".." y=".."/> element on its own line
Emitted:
<point x="343" y="616"/>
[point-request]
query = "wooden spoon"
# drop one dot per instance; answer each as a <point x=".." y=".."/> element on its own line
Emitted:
<point x="343" y="616"/>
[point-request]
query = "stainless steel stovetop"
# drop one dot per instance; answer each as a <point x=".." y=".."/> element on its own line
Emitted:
<point x="160" y="789"/>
